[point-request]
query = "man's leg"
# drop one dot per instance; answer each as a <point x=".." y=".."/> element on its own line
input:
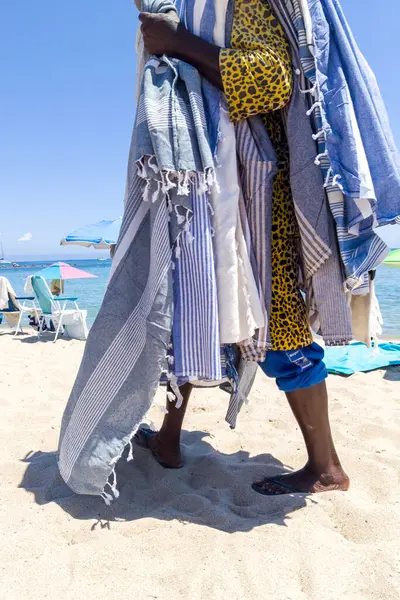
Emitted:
<point x="323" y="471"/>
<point x="301" y="374"/>
<point x="165" y="445"/>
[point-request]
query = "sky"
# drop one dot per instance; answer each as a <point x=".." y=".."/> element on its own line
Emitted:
<point x="67" y="109"/>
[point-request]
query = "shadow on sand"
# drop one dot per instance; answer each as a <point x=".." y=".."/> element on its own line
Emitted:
<point x="213" y="489"/>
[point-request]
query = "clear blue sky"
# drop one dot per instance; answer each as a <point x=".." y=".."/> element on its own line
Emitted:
<point x="67" y="109"/>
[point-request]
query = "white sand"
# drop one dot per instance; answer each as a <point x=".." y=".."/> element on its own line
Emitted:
<point x="199" y="533"/>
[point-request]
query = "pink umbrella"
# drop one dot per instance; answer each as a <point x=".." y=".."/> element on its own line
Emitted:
<point x="61" y="270"/>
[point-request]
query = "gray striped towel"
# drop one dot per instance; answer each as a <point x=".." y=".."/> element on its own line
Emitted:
<point x="257" y="161"/>
<point x="323" y="272"/>
<point x="127" y="346"/>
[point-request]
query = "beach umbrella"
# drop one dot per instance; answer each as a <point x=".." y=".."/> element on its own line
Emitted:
<point x="61" y="270"/>
<point x="393" y="259"/>
<point x="99" y="235"/>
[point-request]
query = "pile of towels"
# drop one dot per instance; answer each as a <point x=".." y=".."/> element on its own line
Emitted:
<point x="191" y="276"/>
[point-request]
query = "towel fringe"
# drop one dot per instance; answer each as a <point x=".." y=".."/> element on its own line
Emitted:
<point x="140" y="168"/>
<point x="180" y="218"/>
<point x="167" y="184"/>
<point x="335" y="181"/>
<point x="156" y="192"/>
<point x="202" y="188"/>
<point x="130" y="455"/>
<point x="328" y="176"/>
<point x="317" y="160"/>
<point x="189" y="235"/>
<point x="169" y="203"/>
<point x="312" y="91"/>
<point x="314" y="106"/>
<point x="113" y="486"/>
<point x="153" y="166"/>
<point x="177" y="249"/>
<point x="171" y="396"/>
<point x="183" y="183"/>
<point x="186" y="183"/>
<point x="211" y="180"/>
<point x="173" y="381"/>
<point x="146" y="193"/>
<point x="317" y="136"/>
<point x="107" y="498"/>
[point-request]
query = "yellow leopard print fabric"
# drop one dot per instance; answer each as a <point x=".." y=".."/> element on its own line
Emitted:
<point x="288" y="322"/>
<point x="257" y="77"/>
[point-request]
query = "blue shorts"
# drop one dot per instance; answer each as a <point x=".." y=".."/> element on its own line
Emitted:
<point x="296" y="369"/>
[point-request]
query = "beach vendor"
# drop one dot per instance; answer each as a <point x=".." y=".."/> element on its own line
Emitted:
<point x="256" y="77"/>
<point x="232" y="208"/>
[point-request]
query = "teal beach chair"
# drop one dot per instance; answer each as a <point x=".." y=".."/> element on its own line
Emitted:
<point x="54" y="308"/>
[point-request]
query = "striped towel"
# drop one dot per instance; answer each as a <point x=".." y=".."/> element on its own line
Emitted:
<point x="195" y="335"/>
<point x="204" y="19"/>
<point x="125" y="351"/>
<point x="329" y="311"/>
<point x="362" y="252"/>
<point x="127" y="347"/>
<point x="258" y="166"/>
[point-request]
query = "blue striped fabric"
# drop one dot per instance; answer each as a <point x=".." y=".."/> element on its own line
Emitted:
<point x="359" y="253"/>
<point x="207" y="22"/>
<point x="258" y="167"/>
<point x="195" y="334"/>
<point x="199" y="17"/>
<point x="126" y="352"/>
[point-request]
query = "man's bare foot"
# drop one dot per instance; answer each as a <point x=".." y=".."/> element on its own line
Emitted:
<point x="167" y="453"/>
<point x="304" y="481"/>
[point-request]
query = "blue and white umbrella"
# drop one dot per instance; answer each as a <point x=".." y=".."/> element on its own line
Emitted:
<point x="100" y="235"/>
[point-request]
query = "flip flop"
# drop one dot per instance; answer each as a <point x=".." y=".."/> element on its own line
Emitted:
<point x="142" y="436"/>
<point x="286" y="488"/>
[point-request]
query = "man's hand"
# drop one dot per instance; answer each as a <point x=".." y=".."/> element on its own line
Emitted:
<point x="162" y="33"/>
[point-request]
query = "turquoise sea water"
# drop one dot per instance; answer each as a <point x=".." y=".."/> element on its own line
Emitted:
<point x="90" y="291"/>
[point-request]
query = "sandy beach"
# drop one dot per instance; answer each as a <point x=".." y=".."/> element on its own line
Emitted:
<point x="201" y="532"/>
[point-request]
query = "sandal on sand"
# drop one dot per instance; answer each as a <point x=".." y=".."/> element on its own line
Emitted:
<point x="280" y="488"/>
<point x="142" y="437"/>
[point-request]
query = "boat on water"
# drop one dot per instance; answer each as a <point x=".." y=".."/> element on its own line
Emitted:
<point x="3" y="261"/>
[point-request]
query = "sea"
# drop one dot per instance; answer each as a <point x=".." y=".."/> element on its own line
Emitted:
<point x="90" y="292"/>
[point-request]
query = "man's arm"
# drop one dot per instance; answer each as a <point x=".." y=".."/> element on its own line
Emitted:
<point x="261" y="81"/>
<point x="164" y="34"/>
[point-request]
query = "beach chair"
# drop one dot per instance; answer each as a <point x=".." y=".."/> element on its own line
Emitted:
<point x="54" y="308"/>
<point x="13" y="307"/>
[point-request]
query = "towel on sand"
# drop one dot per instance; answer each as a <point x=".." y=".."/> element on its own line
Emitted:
<point x="358" y="358"/>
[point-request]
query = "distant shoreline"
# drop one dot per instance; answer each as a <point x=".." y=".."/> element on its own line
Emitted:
<point x="29" y="266"/>
<point x="42" y="265"/>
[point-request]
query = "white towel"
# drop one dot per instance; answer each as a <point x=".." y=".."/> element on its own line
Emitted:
<point x="7" y="292"/>
<point x="239" y="305"/>
<point x="366" y="316"/>
<point x="4" y="288"/>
